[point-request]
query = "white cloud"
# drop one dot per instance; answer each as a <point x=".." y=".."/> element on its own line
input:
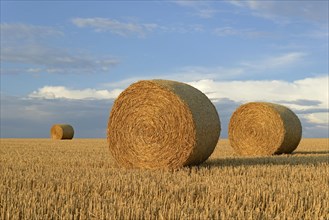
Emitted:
<point x="242" y="69"/>
<point x="308" y="89"/>
<point x="319" y="34"/>
<point x="199" y="73"/>
<point x="190" y="3"/>
<point x="115" y="26"/>
<point x="44" y="59"/>
<point x="202" y="72"/>
<point x="279" y="61"/>
<point x="230" y="31"/>
<point x="202" y="9"/>
<point x="226" y="31"/>
<point x="21" y="45"/>
<point x="288" y="11"/>
<point x="126" y="29"/>
<point x="24" y="32"/>
<point x="187" y="73"/>
<point x="207" y="12"/>
<point x="181" y="28"/>
<point x="321" y="118"/>
<point x="61" y="92"/>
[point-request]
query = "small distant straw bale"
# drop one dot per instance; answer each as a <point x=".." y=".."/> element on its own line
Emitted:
<point x="61" y="131"/>
<point x="162" y="124"/>
<point x="262" y="128"/>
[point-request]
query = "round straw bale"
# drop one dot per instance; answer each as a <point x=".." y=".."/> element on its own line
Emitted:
<point x="261" y="128"/>
<point x="61" y="131"/>
<point x="162" y="124"/>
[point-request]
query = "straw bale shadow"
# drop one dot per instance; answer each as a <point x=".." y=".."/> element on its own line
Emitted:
<point x="311" y="152"/>
<point x="269" y="160"/>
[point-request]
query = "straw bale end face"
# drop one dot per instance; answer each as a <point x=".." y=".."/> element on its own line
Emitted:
<point x="261" y="128"/>
<point x="61" y="132"/>
<point x="162" y="124"/>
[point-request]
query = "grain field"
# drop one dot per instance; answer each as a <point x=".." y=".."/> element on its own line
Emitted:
<point x="77" y="179"/>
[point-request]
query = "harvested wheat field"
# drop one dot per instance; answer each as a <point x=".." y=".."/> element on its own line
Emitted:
<point x="77" y="179"/>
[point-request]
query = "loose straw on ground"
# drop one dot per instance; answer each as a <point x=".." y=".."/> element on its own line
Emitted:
<point x="162" y="124"/>
<point x="261" y="128"/>
<point x="61" y="131"/>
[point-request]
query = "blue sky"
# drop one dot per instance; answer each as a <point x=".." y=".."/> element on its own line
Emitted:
<point x="66" y="61"/>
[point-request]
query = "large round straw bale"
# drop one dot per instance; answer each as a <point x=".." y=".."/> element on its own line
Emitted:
<point x="162" y="124"/>
<point x="61" y="131"/>
<point x="261" y="128"/>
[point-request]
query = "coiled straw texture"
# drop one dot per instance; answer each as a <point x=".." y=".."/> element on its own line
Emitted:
<point x="162" y="124"/>
<point x="261" y="128"/>
<point x="61" y="131"/>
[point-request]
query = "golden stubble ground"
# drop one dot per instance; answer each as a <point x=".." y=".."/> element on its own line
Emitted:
<point x="78" y="179"/>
